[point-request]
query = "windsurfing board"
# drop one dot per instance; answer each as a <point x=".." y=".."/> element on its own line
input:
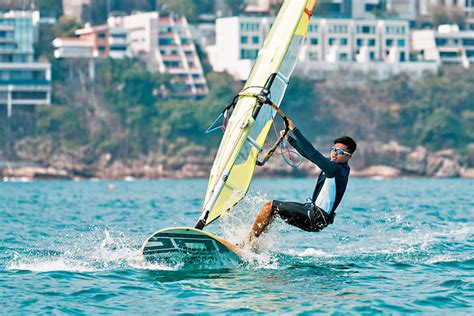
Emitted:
<point x="185" y="244"/>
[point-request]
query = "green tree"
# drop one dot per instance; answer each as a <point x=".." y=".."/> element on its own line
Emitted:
<point x="66" y="27"/>
<point x="62" y="124"/>
<point x="440" y="128"/>
<point x="190" y="9"/>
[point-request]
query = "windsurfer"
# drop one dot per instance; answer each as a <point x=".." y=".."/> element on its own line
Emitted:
<point x="330" y="187"/>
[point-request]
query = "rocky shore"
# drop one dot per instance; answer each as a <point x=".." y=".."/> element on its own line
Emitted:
<point x="379" y="160"/>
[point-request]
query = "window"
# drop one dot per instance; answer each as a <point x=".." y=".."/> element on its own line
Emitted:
<point x="402" y="56"/>
<point x="366" y="29"/>
<point x="389" y="42"/>
<point x="441" y="41"/>
<point x="343" y="41"/>
<point x="249" y="26"/>
<point x="313" y="56"/>
<point x="468" y="41"/>
<point x="372" y="56"/>
<point x="314" y="41"/>
<point x="248" y="53"/>
<point x="360" y="42"/>
<point x="401" y="43"/>
<point x="313" y="28"/>
<point x="371" y="42"/>
<point x="343" y="57"/>
<point x="332" y="40"/>
<point x="172" y="63"/>
<point x="448" y="54"/>
<point x="118" y="48"/>
<point x="337" y="28"/>
<point x="165" y="41"/>
<point x="120" y="36"/>
<point x="32" y="95"/>
<point x="244" y="39"/>
<point x="255" y="39"/>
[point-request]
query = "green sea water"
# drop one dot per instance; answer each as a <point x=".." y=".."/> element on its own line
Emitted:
<point x="396" y="247"/>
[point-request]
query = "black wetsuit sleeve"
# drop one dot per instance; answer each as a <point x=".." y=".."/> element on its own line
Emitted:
<point x="304" y="147"/>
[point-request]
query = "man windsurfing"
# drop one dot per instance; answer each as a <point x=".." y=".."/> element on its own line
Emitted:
<point x="330" y="187"/>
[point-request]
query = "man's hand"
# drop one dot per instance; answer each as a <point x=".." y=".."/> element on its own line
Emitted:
<point x="291" y="125"/>
<point x="282" y="132"/>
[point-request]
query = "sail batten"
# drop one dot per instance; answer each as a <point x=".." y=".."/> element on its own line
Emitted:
<point x="251" y="120"/>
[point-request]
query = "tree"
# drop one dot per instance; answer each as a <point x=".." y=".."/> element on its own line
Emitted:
<point x="66" y="27"/>
<point x="440" y="15"/>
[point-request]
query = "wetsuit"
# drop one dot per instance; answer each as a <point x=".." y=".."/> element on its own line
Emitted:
<point x="329" y="190"/>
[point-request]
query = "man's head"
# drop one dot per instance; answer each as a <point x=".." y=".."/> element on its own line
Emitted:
<point x="343" y="149"/>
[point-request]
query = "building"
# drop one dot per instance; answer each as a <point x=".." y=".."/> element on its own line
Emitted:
<point x="73" y="47"/>
<point x="74" y="8"/>
<point x="330" y="41"/>
<point x="107" y="41"/>
<point x="23" y="82"/>
<point x="77" y="56"/>
<point x="92" y="42"/>
<point x="238" y="40"/>
<point x="446" y="45"/>
<point x="165" y="42"/>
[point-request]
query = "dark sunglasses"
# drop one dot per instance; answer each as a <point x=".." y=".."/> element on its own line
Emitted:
<point x="339" y="151"/>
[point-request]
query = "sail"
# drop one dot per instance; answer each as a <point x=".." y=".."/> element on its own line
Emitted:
<point x="247" y="130"/>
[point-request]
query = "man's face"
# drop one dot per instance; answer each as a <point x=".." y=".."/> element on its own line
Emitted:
<point x="337" y="157"/>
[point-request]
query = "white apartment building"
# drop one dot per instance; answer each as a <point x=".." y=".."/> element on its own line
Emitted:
<point x="165" y="43"/>
<point x="238" y="40"/>
<point x="71" y="47"/>
<point x="23" y="82"/>
<point x="79" y="53"/>
<point x="329" y="41"/>
<point x="447" y="45"/>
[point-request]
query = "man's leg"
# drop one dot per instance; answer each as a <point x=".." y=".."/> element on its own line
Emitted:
<point x="263" y="220"/>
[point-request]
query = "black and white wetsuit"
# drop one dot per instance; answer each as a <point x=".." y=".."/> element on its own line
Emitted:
<point x="328" y="193"/>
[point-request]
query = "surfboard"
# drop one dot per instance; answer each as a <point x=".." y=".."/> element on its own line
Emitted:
<point x="187" y="245"/>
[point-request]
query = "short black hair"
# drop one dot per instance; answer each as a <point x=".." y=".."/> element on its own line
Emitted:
<point x="348" y="141"/>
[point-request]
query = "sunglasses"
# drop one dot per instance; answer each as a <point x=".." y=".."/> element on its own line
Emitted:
<point x="339" y="151"/>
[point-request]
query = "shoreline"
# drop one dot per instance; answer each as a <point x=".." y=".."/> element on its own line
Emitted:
<point x="379" y="172"/>
<point x="382" y="161"/>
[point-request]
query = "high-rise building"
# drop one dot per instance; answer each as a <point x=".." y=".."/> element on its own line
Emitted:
<point x="365" y="44"/>
<point x="165" y="43"/>
<point x="23" y="82"/>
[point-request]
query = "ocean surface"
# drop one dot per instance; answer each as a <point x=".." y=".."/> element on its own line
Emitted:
<point x="396" y="247"/>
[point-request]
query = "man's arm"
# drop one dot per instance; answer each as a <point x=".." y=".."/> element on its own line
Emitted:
<point x="306" y="149"/>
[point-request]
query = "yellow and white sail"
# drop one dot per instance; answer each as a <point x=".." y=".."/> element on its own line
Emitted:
<point x="250" y="122"/>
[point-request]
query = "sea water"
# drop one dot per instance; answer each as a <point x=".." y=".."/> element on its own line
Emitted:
<point x="397" y="246"/>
